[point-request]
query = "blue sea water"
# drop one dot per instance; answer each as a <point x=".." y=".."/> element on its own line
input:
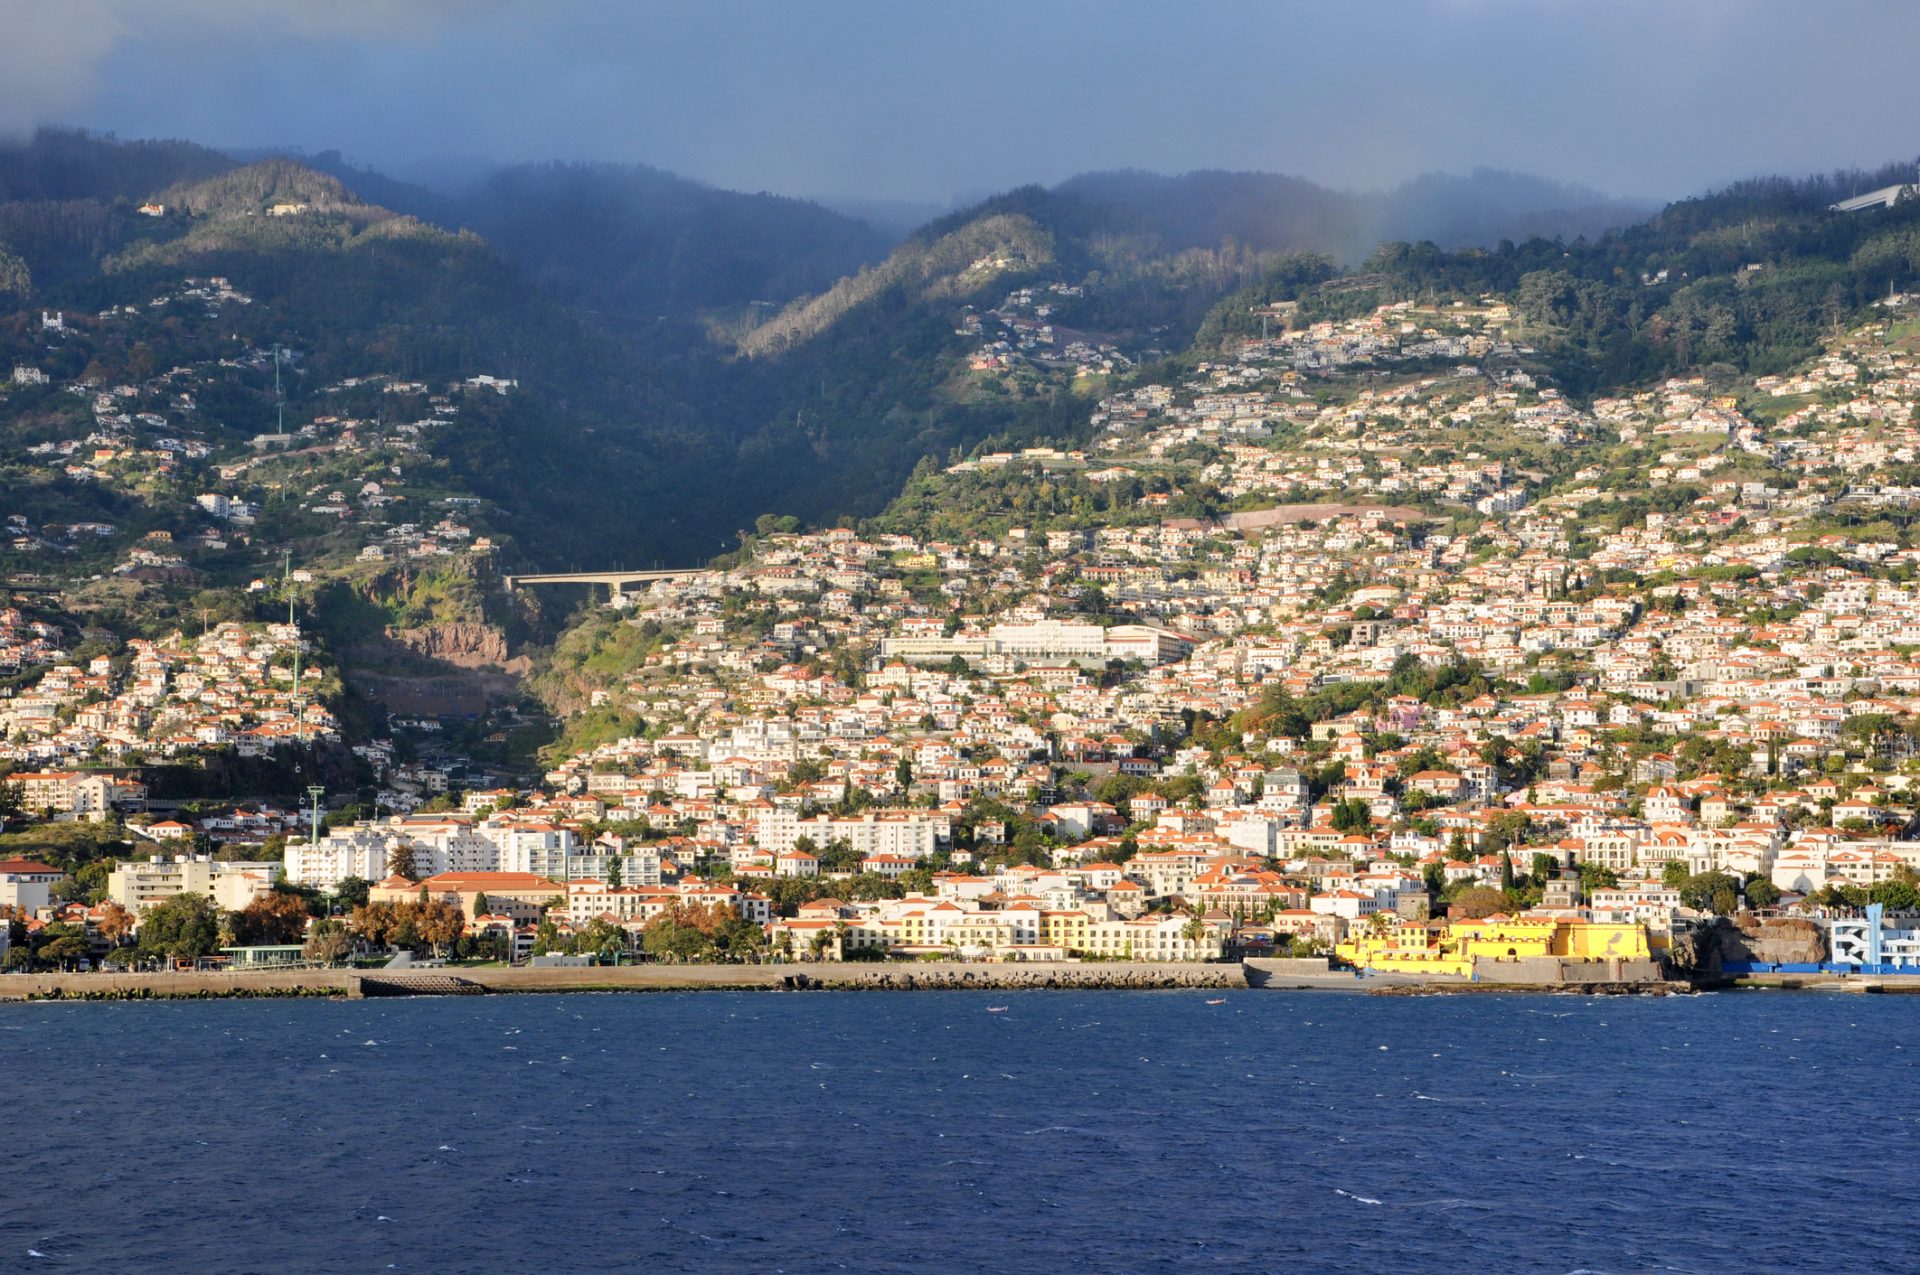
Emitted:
<point x="904" y="1132"/>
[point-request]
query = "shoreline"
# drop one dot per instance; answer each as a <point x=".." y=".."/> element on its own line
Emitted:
<point x="823" y="976"/>
<point x="1253" y="974"/>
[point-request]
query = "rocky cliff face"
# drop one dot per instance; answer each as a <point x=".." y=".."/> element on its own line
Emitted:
<point x="1773" y="940"/>
<point x="461" y="645"/>
<point x="458" y="668"/>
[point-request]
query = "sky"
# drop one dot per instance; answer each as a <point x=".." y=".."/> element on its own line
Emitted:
<point x="892" y="99"/>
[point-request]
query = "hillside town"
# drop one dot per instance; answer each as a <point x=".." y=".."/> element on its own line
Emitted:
<point x="236" y="686"/>
<point x="1498" y="675"/>
<point x="188" y="443"/>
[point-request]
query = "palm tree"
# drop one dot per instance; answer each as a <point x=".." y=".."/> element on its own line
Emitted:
<point x="1195" y="931"/>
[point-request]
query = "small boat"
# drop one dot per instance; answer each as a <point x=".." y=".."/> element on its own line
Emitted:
<point x="997" y="1009"/>
<point x="1221" y="1000"/>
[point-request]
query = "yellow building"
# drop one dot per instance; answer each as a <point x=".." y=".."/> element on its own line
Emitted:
<point x="1452" y="947"/>
<point x="1067" y="929"/>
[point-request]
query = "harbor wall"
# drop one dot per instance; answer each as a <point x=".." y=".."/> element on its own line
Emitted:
<point x="853" y="975"/>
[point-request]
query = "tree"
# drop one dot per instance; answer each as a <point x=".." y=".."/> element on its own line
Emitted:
<point x="1711" y="890"/>
<point x="903" y="773"/>
<point x="400" y="861"/>
<point x="329" y="941"/>
<point x="1352" y="814"/>
<point x="480" y="905"/>
<point x="838" y="855"/>
<point x="1595" y="877"/>
<point x="1506" y="872"/>
<point x="115" y="924"/>
<point x="437" y="924"/>
<point x="600" y="937"/>
<point x="351" y="893"/>
<point x="374" y="922"/>
<point x="1762" y="893"/>
<point x="1870" y="730"/>
<point x="61" y="945"/>
<point x="1674" y="874"/>
<point x="1894" y="896"/>
<point x="1508" y="829"/>
<point x="1479" y="901"/>
<point x="668" y="937"/>
<point x="737" y="939"/>
<point x="272" y="918"/>
<point x="1195" y="930"/>
<point x="185" y="927"/>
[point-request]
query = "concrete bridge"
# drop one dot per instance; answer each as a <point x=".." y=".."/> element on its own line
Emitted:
<point x="1885" y="197"/>
<point x="617" y="581"/>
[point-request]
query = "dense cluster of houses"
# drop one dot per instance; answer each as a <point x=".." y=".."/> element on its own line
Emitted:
<point x="1664" y="652"/>
<point x="233" y="687"/>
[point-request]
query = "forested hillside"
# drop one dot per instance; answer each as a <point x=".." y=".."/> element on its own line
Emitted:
<point x="660" y="410"/>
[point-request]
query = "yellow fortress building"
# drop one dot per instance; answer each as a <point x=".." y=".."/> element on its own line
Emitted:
<point x="1453" y="947"/>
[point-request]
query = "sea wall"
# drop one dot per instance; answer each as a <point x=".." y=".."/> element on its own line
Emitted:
<point x="1548" y="971"/>
<point x="110" y="986"/>
<point x="915" y="976"/>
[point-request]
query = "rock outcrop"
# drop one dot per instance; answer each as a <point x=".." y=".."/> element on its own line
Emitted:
<point x="1748" y="939"/>
<point x="463" y="645"/>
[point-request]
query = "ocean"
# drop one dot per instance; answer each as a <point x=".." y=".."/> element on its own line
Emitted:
<point x="961" y="1132"/>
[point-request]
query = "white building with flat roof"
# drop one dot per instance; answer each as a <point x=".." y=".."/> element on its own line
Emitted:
<point x="138" y="885"/>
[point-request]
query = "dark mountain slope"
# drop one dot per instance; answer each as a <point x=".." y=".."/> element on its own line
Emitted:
<point x="66" y="164"/>
<point x="636" y="244"/>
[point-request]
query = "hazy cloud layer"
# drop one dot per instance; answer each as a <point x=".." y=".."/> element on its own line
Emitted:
<point x="880" y="98"/>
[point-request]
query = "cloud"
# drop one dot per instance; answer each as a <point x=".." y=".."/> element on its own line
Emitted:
<point x="55" y="51"/>
<point x="1640" y="97"/>
<point x="387" y="20"/>
<point x="50" y="58"/>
